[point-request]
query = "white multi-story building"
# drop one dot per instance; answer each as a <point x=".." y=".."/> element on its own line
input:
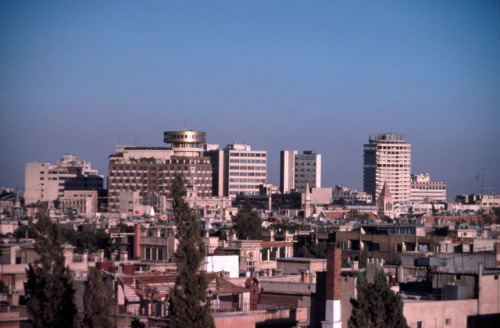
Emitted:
<point x="423" y="190"/>
<point x="45" y="182"/>
<point x="299" y="170"/>
<point x="245" y="170"/>
<point x="387" y="159"/>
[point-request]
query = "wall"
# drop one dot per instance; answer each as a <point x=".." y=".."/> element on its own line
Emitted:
<point x="433" y="314"/>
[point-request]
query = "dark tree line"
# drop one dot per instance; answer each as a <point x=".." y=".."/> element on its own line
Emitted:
<point x="50" y="290"/>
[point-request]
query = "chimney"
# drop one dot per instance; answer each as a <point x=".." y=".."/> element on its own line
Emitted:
<point x="253" y="284"/>
<point x="137" y="242"/>
<point x="333" y="281"/>
<point x="123" y="256"/>
<point x="497" y="253"/>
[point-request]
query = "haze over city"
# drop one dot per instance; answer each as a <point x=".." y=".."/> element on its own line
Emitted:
<point x="82" y="78"/>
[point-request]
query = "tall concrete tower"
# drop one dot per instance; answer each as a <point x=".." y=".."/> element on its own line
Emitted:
<point x="298" y="170"/>
<point x="387" y="158"/>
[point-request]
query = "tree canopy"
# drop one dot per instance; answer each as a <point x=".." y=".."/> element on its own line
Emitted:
<point x="90" y="240"/>
<point x="97" y="300"/>
<point x="247" y="223"/>
<point x="376" y="305"/>
<point x="188" y="303"/>
<point x="49" y="289"/>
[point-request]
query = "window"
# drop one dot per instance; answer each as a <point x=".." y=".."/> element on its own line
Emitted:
<point x="448" y="321"/>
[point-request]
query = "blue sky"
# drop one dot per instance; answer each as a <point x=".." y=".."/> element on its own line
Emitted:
<point x="83" y="77"/>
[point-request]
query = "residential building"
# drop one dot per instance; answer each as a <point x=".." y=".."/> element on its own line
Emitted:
<point x="345" y="195"/>
<point x="150" y="170"/>
<point x="45" y="182"/>
<point x="387" y="158"/>
<point x="79" y="202"/>
<point x="423" y="190"/>
<point x="483" y="202"/>
<point x="298" y="170"/>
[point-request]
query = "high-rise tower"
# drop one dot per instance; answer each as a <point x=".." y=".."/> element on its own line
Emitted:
<point x="387" y="158"/>
<point x="298" y="170"/>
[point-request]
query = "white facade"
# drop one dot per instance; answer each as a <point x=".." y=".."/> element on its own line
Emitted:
<point x="387" y="158"/>
<point x="424" y="190"/>
<point x="227" y="263"/>
<point x="287" y="170"/>
<point x="245" y="170"/>
<point x="350" y="195"/>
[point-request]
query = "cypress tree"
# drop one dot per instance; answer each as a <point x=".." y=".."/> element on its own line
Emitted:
<point x="96" y="302"/>
<point x="49" y="289"/>
<point x="188" y="303"/>
<point x="376" y="305"/>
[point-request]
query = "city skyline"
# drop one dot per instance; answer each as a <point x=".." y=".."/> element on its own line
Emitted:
<point x="83" y="78"/>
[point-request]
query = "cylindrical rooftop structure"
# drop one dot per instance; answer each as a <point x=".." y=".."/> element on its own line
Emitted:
<point x="185" y="143"/>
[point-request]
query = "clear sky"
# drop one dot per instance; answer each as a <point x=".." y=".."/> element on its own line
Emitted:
<point x="81" y="77"/>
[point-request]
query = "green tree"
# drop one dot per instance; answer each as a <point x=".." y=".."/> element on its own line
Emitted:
<point x="136" y="323"/>
<point x="376" y="305"/>
<point x="23" y="231"/>
<point x="90" y="240"/>
<point x="188" y="303"/>
<point x="247" y="223"/>
<point x="363" y="257"/>
<point x="49" y="289"/>
<point x="97" y="301"/>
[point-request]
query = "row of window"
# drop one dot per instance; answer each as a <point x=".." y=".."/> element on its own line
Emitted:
<point x="248" y="180"/>
<point x="248" y="154"/>
<point x="247" y="174"/>
<point x="248" y="168"/>
<point x="248" y="161"/>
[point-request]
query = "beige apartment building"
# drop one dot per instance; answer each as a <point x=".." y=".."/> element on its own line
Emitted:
<point x="387" y="159"/>
<point x="45" y="182"/>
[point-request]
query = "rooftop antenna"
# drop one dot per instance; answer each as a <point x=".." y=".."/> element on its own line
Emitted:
<point x="480" y="188"/>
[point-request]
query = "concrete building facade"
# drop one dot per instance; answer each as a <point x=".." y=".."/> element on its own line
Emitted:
<point x="387" y="158"/>
<point x="237" y="169"/>
<point x="299" y="170"/>
<point x="45" y="182"/>
<point x="347" y="195"/>
<point x="150" y="170"/>
<point x="423" y="190"/>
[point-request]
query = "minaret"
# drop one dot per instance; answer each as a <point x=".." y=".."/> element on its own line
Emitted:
<point x="307" y="202"/>
<point x="137" y="242"/>
<point x="384" y="203"/>
<point x="333" y="280"/>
